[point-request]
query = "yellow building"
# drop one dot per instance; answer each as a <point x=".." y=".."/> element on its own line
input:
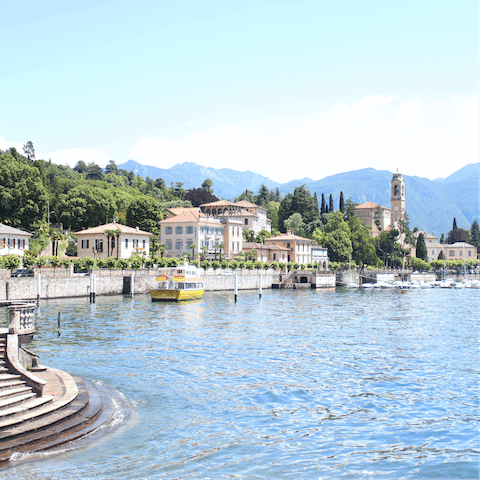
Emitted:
<point x="93" y="242"/>
<point x="299" y="248"/>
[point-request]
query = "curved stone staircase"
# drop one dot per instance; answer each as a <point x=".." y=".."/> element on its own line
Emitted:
<point x="70" y="407"/>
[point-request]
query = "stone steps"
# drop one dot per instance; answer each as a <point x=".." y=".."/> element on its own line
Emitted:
<point x="73" y="421"/>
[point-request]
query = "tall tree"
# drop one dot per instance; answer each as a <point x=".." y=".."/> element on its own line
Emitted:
<point x="295" y="224"/>
<point x="29" y="151"/>
<point x="207" y="185"/>
<point x="316" y="211"/>
<point x="145" y="213"/>
<point x="331" y="207"/>
<point x="335" y="236"/>
<point x="422" y="248"/>
<point x="454" y="227"/>
<point x="341" y="203"/>
<point x="263" y="196"/>
<point x="475" y="234"/>
<point x="23" y="197"/>
<point x="323" y="207"/>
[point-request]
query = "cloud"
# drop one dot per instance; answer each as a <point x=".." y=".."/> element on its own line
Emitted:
<point x="71" y="156"/>
<point x="424" y="139"/>
<point x="5" y="145"/>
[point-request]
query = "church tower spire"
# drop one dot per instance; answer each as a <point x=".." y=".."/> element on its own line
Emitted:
<point x="397" y="198"/>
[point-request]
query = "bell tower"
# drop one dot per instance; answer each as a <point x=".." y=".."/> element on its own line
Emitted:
<point x="397" y="198"/>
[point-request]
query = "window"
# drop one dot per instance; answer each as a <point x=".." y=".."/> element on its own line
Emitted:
<point x="178" y="245"/>
<point x="178" y="230"/>
<point x="85" y="244"/>
<point x="246" y="221"/>
<point x="168" y="230"/>
<point x="13" y="246"/>
<point x="2" y="243"/>
<point x="189" y="242"/>
<point x="113" y="242"/>
<point x="189" y="230"/>
<point x="126" y="243"/>
<point x="144" y="244"/>
<point x="233" y="246"/>
<point x="461" y="253"/>
<point x="98" y="246"/>
<point x="274" y="256"/>
<point x="451" y="253"/>
<point x="288" y="245"/>
<point x="469" y="253"/>
<point x="169" y="244"/>
<point x="202" y="229"/>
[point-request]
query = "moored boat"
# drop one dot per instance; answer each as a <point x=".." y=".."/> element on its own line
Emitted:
<point x="177" y="284"/>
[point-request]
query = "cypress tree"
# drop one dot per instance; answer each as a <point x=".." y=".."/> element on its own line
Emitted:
<point x="331" y="208"/>
<point x="342" y="203"/>
<point x="422" y="248"/>
<point x="316" y="213"/>
<point x="323" y="207"/>
<point x="454" y="224"/>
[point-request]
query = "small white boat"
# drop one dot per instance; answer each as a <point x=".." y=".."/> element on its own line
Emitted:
<point x="352" y="285"/>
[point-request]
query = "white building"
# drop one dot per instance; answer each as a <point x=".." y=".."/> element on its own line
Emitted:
<point x="13" y="241"/>
<point x="188" y="226"/>
<point x="254" y="217"/>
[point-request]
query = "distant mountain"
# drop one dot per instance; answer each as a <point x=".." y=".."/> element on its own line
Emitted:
<point x="227" y="183"/>
<point x="431" y="204"/>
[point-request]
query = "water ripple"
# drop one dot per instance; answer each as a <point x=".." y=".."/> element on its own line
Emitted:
<point x="304" y="384"/>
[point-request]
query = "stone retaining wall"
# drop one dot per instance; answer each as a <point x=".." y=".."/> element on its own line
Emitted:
<point x="112" y="283"/>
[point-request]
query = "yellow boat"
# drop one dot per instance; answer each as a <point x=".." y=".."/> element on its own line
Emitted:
<point x="178" y="284"/>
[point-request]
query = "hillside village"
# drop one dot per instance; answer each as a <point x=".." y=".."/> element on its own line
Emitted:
<point x="63" y="213"/>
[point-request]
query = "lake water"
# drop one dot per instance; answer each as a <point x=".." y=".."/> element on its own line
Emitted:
<point x="298" y="384"/>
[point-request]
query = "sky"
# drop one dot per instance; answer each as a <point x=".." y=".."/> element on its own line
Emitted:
<point x="286" y="89"/>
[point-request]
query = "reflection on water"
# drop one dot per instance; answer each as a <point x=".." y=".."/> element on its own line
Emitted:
<point x="297" y="384"/>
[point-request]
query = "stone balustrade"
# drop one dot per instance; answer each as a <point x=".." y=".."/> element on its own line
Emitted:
<point x="22" y="318"/>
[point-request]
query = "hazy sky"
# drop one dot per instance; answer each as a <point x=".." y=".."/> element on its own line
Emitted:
<point x="287" y="89"/>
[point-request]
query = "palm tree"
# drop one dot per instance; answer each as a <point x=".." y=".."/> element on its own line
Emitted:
<point x="193" y="246"/>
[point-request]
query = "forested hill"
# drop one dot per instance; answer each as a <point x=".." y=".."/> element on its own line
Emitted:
<point x="431" y="205"/>
<point x="87" y="195"/>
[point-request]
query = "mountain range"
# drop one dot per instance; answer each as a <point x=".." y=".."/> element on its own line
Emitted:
<point x="431" y="204"/>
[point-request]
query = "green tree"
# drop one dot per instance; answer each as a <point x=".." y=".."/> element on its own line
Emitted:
<point x="54" y="261"/>
<point x="89" y="263"/>
<point x="41" y="262"/>
<point x="377" y="217"/>
<point x="422" y="248"/>
<point x="207" y="185"/>
<point x="263" y="196"/>
<point x="341" y="205"/>
<point x="323" y="207"/>
<point x="23" y="197"/>
<point x="145" y="213"/>
<point x="458" y="235"/>
<point x="295" y="224"/>
<point x="335" y="236"/>
<point x="363" y="244"/>
<point x="11" y="262"/>
<point x="136" y="262"/>
<point x="29" y="151"/>
<point x="29" y="260"/>
<point x="246" y="195"/>
<point x="331" y="207"/>
<point x="475" y="234"/>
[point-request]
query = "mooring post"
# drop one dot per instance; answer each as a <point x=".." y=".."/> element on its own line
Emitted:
<point x="94" y="287"/>
<point x="91" y="287"/>
<point x="58" y="322"/>
<point x="132" y="283"/>
<point x="235" y="286"/>
<point x="39" y="288"/>
<point x="260" y="285"/>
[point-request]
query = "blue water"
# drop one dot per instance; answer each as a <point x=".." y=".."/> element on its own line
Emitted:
<point x="297" y="384"/>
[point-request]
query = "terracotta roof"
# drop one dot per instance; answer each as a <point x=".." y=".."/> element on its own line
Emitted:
<point x="288" y="236"/>
<point x="189" y="217"/>
<point x="219" y="203"/>
<point x="259" y="246"/>
<point x="247" y="204"/>
<point x="180" y="210"/>
<point x="370" y="205"/>
<point x="112" y="226"/>
<point x="7" y="230"/>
